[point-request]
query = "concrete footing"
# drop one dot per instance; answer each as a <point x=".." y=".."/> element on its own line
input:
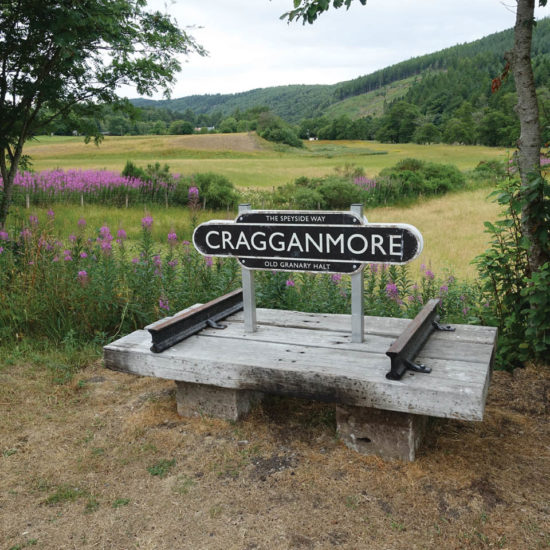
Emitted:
<point x="200" y="399"/>
<point x="387" y="434"/>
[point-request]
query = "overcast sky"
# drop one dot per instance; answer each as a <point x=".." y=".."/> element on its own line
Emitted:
<point x="250" y="47"/>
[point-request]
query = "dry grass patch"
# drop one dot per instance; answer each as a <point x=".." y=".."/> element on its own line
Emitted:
<point x="106" y="462"/>
<point x="452" y="228"/>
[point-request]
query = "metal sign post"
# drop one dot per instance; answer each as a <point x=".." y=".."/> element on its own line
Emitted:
<point x="249" y="290"/>
<point x="357" y="292"/>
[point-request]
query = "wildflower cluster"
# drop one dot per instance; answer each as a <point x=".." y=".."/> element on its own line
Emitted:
<point x="388" y="291"/>
<point x="92" y="186"/>
<point x="95" y="284"/>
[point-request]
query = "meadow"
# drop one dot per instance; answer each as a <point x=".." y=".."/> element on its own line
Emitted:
<point x="452" y="225"/>
<point x="248" y="161"/>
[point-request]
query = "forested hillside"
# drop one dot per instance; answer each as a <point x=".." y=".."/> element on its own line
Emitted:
<point x="445" y="96"/>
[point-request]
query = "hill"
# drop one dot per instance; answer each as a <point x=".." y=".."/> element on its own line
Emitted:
<point x="444" y="78"/>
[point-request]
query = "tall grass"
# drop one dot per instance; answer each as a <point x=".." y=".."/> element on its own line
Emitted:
<point x="93" y="284"/>
<point x="452" y="226"/>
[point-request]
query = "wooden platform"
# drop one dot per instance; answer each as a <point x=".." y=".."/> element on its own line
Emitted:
<point x="311" y="356"/>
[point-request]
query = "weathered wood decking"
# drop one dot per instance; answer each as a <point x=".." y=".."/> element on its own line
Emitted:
<point x="312" y="356"/>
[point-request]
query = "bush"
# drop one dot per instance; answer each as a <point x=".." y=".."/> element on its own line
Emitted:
<point x="283" y="134"/>
<point x="308" y="199"/>
<point x="339" y="193"/>
<point x="517" y="300"/>
<point x="493" y="170"/>
<point x="216" y="191"/>
<point x="411" y="178"/>
<point x="132" y="171"/>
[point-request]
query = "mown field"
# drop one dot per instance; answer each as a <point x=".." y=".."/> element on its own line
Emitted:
<point x="245" y="159"/>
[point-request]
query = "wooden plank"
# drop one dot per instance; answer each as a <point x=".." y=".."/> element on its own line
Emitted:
<point x="443" y="348"/>
<point x="307" y="372"/>
<point x="382" y="326"/>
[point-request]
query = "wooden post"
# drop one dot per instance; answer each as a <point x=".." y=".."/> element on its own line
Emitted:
<point x="357" y="294"/>
<point x="27" y="201"/>
<point x="249" y="291"/>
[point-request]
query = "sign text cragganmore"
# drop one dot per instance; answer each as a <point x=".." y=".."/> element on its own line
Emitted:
<point x="307" y="241"/>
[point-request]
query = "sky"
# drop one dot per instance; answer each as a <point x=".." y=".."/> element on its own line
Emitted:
<point x="250" y="47"/>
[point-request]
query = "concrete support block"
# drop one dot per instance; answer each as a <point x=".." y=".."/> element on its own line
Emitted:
<point x="387" y="434"/>
<point x="200" y="399"/>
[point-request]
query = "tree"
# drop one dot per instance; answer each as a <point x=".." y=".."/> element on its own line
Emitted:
<point x="73" y="55"/>
<point x="529" y="143"/>
<point x="399" y="123"/>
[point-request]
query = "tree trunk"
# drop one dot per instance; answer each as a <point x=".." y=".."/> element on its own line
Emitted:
<point x="528" y="112"/>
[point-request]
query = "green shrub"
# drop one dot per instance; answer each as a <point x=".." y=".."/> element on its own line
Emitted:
<point x="517" y="300"/>
<point x="339" y="193"/>
<point x="308" y="199"/>
<point x="130" y="170"/>
<point x="493" y="170"/>
<point x="411" y="178"/>
<point x="216" y="191"/>
<point x="283" y="134"/>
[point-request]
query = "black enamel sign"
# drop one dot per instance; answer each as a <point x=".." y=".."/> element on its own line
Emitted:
<point x="332" y="242"/>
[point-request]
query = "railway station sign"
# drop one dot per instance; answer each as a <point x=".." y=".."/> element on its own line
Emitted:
<point x="330" y="242"/>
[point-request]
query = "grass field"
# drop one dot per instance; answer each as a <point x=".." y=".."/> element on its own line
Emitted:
<point x="245" y="159"/>
<point x="452" y="226"/>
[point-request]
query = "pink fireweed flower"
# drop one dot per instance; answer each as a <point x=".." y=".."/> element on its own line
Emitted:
<point x="51" y="214"/>
<point x="193" y="193"/>
<point x="83" y="255"/>
<point x="1" y="249"/>
<point x="4" y="236"/>
<point x="26" y="233"/>
<point x="163" y="304"/>
<point x="135" y="260"/>
<point x="157" y="261"/>
<point x="104" y="230"/>
<point x="33" y="220"/>
<point x="106" y="246"/>
<point x="55" y="259"/>
<point x="68" y="258"/>
<point x="147" y="222"/>
<point x="121" y="235"/>
<point x="81" y="222"/>
<point x="172" y="237"/>
<point x="72" y="238"/>
<point x="336" y="278"/>
<point x="208" y="261"/>
<point x="465" y="310"/>
<point x="392" y="291"/>
<point x="290" y="282"/>
<point x="429" y="274"/>
<point x="173" y="263"/>
<point x="82" y="274"/>
<point x="443" y="289"/>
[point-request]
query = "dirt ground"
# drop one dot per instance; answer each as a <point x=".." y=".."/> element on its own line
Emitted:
<point x="105" y="462"/>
